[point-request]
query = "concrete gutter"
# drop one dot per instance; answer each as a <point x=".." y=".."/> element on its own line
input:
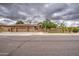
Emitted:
<point x="33" y="33"/>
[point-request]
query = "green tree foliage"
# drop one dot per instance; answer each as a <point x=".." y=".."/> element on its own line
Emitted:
<point x="63" y="27"/>
<point x="47" y="24"/>
<point x="19" y="22"/>
<point x="75" y="30"/>
<point x="70" y="29"/>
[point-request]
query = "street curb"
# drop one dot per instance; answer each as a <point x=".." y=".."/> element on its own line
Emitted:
<point x="32" y="33"/>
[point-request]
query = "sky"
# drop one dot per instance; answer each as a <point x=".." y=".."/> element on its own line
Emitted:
<point x="55" y="11"/>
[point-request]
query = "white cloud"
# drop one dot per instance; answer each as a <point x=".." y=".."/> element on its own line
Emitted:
<point x="4" y="9"/>
<point x="22" y="13"/>
<point x="66" y="11"/>
<point x="32" y="9"/>
<point x="47" y="5"/>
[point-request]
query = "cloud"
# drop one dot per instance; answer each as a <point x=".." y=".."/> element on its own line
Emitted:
<point x="40" y="10"/>
<point x="22" y="13"/>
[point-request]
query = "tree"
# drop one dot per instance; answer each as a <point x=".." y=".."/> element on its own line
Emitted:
<point x="52" y="25"/>
<point x="62" y="26"/>
<point x="19" y="22"/>
<point x="70" y="29"/>
<point x="47" y="24"/>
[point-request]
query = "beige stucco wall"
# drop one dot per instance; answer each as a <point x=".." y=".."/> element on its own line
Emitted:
<point x="20" y="28"/>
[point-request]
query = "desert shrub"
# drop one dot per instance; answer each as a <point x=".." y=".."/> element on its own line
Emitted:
<point x="75" y="30"/>
<point x="69" y="29"/>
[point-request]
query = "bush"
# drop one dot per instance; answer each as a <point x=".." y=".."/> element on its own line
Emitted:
<point x="69" y="29"/>
<point x="19" y="22"/>
<point x="75" y="30"/>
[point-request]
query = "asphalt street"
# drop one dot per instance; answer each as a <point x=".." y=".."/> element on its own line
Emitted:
<point x="39" y="45"/>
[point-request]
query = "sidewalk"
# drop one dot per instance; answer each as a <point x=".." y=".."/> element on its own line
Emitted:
<point x="33" y="33"/>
